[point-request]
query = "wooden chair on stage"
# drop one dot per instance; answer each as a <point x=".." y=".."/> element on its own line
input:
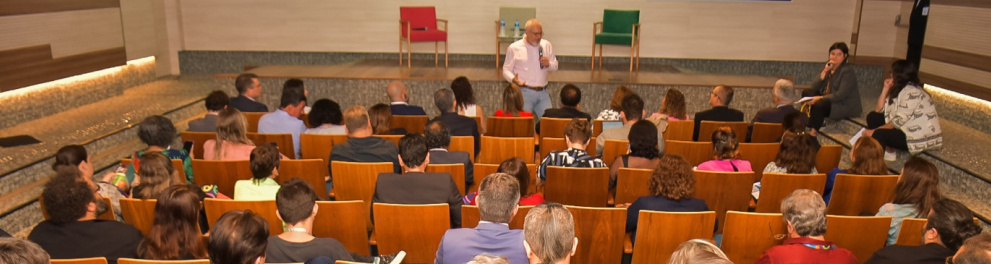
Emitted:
<point x="138" y="213"/>
<point x="215" y="208"/>
<point x="252" y="118"/>
<point x="612" y="149"/>
<point x="856" y="194"/>
<point x="412" y="123"/>
<point x="146" y="261"/>
<point x="463" y="143"/>
<point x="679" y="130"/>
<point x="677" y="227"/>
<point x="618" y="27"/>
<point x="577" y="186"/>
<point x="766" y="132"/>
<point x="631" y="184"/>
<point x="97" y="260"/>
<point x="311" y="171"/>
<point x="344" y="221"/>
<point x="420" y="24"/>
<point x="759" y="155"/>
<point x="497" y="149"/>
<point x="416" y="229"/>
<point x="862" y="235"/>
<point x="828" y="157"/>
<point x="724" y="191"/>
<point x="603" y="230"/>
<point x="223" y="173"/>
<point x="198" y="138"/>
<point x="693" y="152"/>
<point x="283" y="141"/>
<point x="776" y="186"/>
<point x="707" y="127"/>
<point x="747" y="235"/>
<point x="176" y="164"/>
<point x="482" y="170"/>
<point x="108" y="215"/>
<point x="470" y="216"/>
<point x="457" y="172"/>
<point x="391" y="138"/>
<point x="510" y="127"/>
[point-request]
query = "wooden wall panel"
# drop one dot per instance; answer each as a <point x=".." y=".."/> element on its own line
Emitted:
<point x="139" y="28"/>
<point x="958" y="47"/>
<point x="24" y="7"/>
<point x="966" y="29"/>
<point x="38" y="71"/>
<point x="878" y="33"/>
<point x="69" y="33"/>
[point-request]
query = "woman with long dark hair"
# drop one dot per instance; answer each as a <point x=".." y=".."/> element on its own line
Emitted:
<point x="175" y="233"/>
<point x="834" y="93"/>
<point x="465" y="98"/>
<point x="915" y="193"/>
<point x="797" y="154"/>
<point x="905" y="117"/>
<point x="643" y="150"/>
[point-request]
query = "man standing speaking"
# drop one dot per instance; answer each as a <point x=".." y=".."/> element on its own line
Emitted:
<point x="527" y="63"/>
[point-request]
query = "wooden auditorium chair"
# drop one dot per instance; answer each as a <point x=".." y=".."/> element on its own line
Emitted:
<point x="660" y="233"/>
<point x="457" y="172"/>
<point x="693" y="152"/>
<point x="759" y="155"/>
<point x="618" y="27"/>
<point x="612" y="149"/>
<point x="312" y="171"/>
<point x="602" y="230"/>
<point x="495" y="150"/>
<point x="223" y="173"/>
<point x="412" y="123"/>
<point x="910" y="234"/>
<point x="198" y="138"/>
<point x="416" y="229"/>
<point x="419" y="24"/>
<point x="97" y="260"/>
<point x="344" y="221"/>
<point x="679" y="130"/>
<point x="857" y="194"/>
<point x="356" y="180"/>
<point x="766" y="132"/>
<point x="509" y="127"/>
<point x="282" y="141"/>
<point x="707" y="127"/>
<point x="724" y="191"/>
<point x="215" y="208"/>
<point x="828" y="157"/>
<point x="631" y="184"/>
<point x="482" y="170"/>
<point x="747" y="235"/>
<point x="138" y="213"/>
<point x="146" y="261"/>
<point x="577" y="186"/>
<point x="470" y="216"/>
<point x="776" y="186"/>
<point x="318" y="146"/>
<point x="552" y="127"/>
<point x="862" y="235"/>
<point x="463" y="143"/>
<point x="252" y="118"/>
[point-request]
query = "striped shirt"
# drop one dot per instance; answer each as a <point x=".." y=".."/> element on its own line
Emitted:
<point x="573" y="158"/>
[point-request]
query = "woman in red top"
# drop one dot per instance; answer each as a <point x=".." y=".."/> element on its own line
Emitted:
<point x="517" y="168"/>
<point x="512" y="103"/>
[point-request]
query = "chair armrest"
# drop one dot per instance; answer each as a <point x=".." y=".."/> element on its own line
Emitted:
<point x="407" y="29"/>
<point x="636" y="29"/>
<point x="596" y="27"/>
<point x="444" y="21"/>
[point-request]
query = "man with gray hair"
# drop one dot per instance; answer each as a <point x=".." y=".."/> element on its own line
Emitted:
<point x="21" y="251"/>
<point x="498" y="201"/>
<point x="458" y="125"/>
<point x="549" y="232"/>
<point x="783" y="96"/>
<point x="976" y="249"/>
<point x="804" y="212"/>
<point x="527" y="63"/>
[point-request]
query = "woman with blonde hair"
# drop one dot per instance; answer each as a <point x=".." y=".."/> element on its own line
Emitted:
<point x="867" y="156"/>
<point x="232" y="133"/>
<point x="698" y="251"/>
<point x="155" y="175"/>
<point x="512" y="103"/>
<point x="673" y="106"/>
<point x="615" y="105"/>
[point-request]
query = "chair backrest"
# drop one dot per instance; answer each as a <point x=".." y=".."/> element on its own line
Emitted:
<point x="548" y="144"/>
<point x="356" y="180"/>
<point x="223" y="173"/>
<point x="707" y="127"/>
<point x="759" y="155"/>
<point x="602" y="230"/>
<point x="619" y="21"/>
<point x="176" y="164"/>
<point x="138" y="213"/>
<point x="470" y="216"/>
<point x="412" y="123"/>
<point x="910" y="234"/>
<point x="862" y="235"/>
<point x="577" y="186"/>
<point x="495" y="150"/>
<point x="317" y="146"/>
<point x="766" y="132"/>
<point x="419" y="16"/>
<point x="108" y="215"/>
<point x="312" y="171"/>
<point x="478" y="124"/>
<point x="457" y="172"/>
<point x="344" y="221"/>
<point x="855" y="194"/>
<point x="416" y="229"/>
<point x="252" y="118"/>
<point x="391" y="138"/>
<point x="463" y="143"/>
<point x="283" y="141"/>
<point x="828" y="157"/>
<point x="482" y="170"/>
<point x="631" y="184"/>
<point x="305" y="117"/>
<point x="215" y="208"/>
<point x="679" y="130"/>
<point x="614" y="148"/>
<point x="146" y="261"/>
<point x="98" y="260"/>
<point x="597" y="127"/>
<point x="724" y="191"/>
<point x="552" y="127"/>
<point x="198" y="138"/>
<point x="693" y="152"/>
<point x="747" y="235"/>
<point x="776" y="186"/>
<point x="513" y="14"/>
<point x="509" y="127"/>
<point x="676" y="227"/>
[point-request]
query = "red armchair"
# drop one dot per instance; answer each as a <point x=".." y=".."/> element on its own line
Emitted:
<point x="420" y="24"/>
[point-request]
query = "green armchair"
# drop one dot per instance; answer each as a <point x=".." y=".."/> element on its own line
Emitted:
<point x="618" y="27"/>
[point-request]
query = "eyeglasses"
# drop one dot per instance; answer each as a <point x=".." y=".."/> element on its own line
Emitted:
<point x="713" y="93"/>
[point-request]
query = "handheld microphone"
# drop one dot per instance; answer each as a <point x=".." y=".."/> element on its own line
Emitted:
<point x="540" y="54"/>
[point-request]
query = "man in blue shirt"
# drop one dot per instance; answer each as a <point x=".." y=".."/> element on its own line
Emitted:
<point x="286" y="118"/>
<point x="498" y="201"/>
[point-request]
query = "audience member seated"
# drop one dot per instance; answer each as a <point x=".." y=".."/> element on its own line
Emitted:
<point x="175" y="233"/>
<point x="498" y="202"/>
<point x="549" y="234"/>
<point x="672" y="107"/>
<point x="915" y="193"/>
<point x="465" y="97"/>
<point x="643" y="150"/>
<point x="867" y="158"/>
<point x="797" y="123"/>
<point x="571" y="96"/>
<point x="486" y="258"/>
<point x="949" y="224"/>
<point x="239" y="237"/>
<point x="361" y="145"/>
<point x="698" y="251"/>
<point x="727" y="153"/>
<point x="156" y="174"/>
<point x="905" y="117"/>
<point x="415" y="186"/>
<point x="76" y="156"/>
<point x="264" y="170"/>
<point x="671" y="187"/>
<point x="215" y="101"/>
<point x="72" y="230"/>
<point x="459" y="125"/>
<point x="438" y="139"/>
<point x="804" y="213"/>
<point x="297" y="207"/>
<point x="248" y="90"/>
<point x="612" y="113"/>
<point x="233" y="136"/>
<point x="783" y="96"/>
<point x="286" y="118"/>
<point x="21" y="251"/>
<point x="577" y="134"/>
<point x="399" y="100"/>
<point x="975" y="250"/>
<point x="326" y="118"/>
<point x="517" y="168"/>
<point x="632" y="112"/>
<point x="512" y="103"/>
<point x="719" y="99"/>
<point x="381" y="120"/>
<point x="796" y="155"/>
<point x="158" y="133"/>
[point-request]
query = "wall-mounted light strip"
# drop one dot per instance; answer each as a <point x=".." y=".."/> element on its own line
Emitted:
<point x="82" y="77"/>
<point x="982" y="105"/>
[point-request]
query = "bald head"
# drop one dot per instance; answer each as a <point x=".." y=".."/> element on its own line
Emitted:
<point x="722" y="95"/>
<point x="534" y="31"/>
<point x="397" y="92"/>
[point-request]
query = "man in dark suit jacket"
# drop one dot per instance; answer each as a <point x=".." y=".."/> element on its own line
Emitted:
<point x="399" y="97"/>
<point x="783" y="96"/>
<point x="438" y="139"/>
<point x="719" y="99"/>
<point x="415" y="186"/>
<point x="216" y="101"/>
<point x="459" y="125"/>
<point x="570" y="97"/>
<point x="248" y="89"/>
<point x="498" y="201"/>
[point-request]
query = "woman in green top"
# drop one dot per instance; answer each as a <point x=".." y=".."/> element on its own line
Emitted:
<point x="159" y="133"/>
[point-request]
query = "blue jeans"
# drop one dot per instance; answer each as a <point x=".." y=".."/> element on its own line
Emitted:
<point x="536" y="102"/>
